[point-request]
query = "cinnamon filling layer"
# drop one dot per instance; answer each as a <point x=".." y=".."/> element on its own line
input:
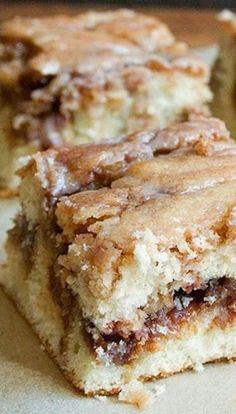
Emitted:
<point x="167" y="323"/>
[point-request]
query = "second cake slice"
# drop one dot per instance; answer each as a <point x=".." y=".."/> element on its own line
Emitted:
<point x="69" y="80"/>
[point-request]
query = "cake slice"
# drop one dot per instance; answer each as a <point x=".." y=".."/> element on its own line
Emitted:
<point x="224" y="73"/>
<point x="122" y="257"/>
<point x="90" y="77"/>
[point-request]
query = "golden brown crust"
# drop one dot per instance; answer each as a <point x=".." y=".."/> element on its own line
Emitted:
<point x="108" y="40"/>
<point x="149" y="378"/>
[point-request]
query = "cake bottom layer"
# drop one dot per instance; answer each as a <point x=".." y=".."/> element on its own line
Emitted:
<point x="198" y="344"/>
<point x="200" y="339"/>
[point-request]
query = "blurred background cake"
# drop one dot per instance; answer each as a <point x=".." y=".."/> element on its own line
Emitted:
<point x="70" y="80"/>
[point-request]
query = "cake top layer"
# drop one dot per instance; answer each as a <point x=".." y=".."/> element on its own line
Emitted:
<point x="228" y="19"/>
<point x="108" y="41"/>
<point x="168" y="195"/>
<point x="69" y="170"/>
<point x="129" y="26"/>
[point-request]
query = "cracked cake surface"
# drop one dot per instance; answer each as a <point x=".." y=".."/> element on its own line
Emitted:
<point x="122" y="256"/>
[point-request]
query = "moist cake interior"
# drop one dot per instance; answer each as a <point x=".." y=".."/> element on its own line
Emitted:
<point x="121" y="347"/>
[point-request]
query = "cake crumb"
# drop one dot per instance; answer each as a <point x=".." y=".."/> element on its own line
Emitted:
<point x="199" y="367"/>
<point x="135" y="392"/>
<point x="101" y="398"/>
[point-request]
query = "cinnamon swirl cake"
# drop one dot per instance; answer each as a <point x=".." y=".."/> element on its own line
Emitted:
<point x="123" y="256"/>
